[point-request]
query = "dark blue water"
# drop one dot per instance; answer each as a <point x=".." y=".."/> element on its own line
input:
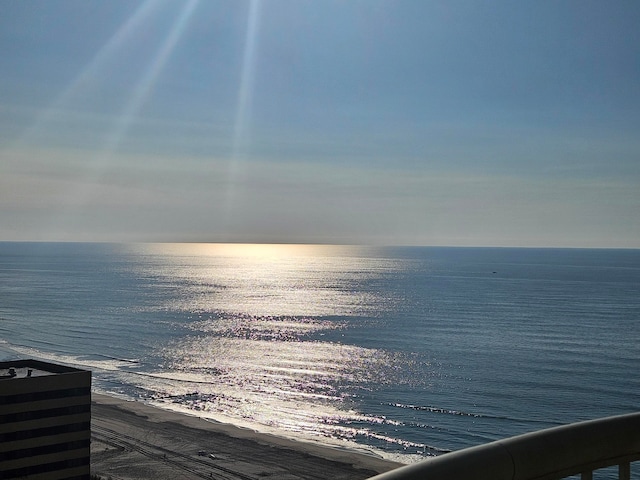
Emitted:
<point x="405" y="351"/>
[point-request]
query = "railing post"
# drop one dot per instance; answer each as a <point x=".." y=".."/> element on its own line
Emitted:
<point x="624" y="471"/>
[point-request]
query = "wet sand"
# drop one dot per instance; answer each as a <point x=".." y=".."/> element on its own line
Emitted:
<point x="131" y="440"/>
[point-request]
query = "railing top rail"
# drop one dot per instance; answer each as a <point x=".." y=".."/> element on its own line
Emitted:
<point x="543" y="455"/>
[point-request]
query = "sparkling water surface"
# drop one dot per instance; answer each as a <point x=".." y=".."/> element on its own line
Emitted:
<point x="406" y="352"/>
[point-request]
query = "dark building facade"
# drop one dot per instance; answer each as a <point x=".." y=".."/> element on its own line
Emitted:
<point x="45" y="421"/>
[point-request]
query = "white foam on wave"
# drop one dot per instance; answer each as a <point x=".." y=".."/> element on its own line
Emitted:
<point x="79" y="361"/>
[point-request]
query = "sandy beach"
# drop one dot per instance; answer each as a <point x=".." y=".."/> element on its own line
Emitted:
<point x="131" y="440"/>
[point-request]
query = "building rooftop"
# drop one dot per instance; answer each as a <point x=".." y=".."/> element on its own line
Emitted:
<point x="19" y="372"/>
<point x="32" y="368"/>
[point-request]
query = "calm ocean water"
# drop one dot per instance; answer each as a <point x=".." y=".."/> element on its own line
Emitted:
<point x="407" y="352"/>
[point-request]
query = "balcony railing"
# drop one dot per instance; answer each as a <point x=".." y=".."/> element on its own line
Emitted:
<point x="554" y="453"/>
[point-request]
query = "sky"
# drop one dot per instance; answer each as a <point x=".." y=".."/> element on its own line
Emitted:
<point x="457" y="122"/>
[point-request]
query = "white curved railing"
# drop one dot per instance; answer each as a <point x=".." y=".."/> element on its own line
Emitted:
<point x="554" y="453"/>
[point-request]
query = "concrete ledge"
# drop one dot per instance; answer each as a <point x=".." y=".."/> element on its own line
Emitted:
<point x="543" y="455"/>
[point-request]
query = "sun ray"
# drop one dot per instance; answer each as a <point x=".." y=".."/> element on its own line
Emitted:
<point x="244" y="103"/>
<point x="247" y="77"/>
<point x="78" y="197"/>
<point x="115" y="44"/>
<point x="145" y="85"/>
<point x="141" y="92"/>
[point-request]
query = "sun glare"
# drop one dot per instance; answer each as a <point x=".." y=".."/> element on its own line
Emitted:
<point x="245" y="250"/>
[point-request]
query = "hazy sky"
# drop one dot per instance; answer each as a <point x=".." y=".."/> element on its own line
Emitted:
<point x="381" y="122"/>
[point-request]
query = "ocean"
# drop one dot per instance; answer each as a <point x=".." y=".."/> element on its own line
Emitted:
<point x="404" y="352"/>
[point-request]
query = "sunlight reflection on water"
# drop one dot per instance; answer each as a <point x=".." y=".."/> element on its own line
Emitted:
<point x="269" y="280"/>
<point x="407" y="352"/>
<point x="258" y="315"/>
<point x="297" y="386"/>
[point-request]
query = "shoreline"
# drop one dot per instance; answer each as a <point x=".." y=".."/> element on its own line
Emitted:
<point x="133" y="440"/>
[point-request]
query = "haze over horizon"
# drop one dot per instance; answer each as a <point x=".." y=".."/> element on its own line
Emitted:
<point x="291" y="121"/>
